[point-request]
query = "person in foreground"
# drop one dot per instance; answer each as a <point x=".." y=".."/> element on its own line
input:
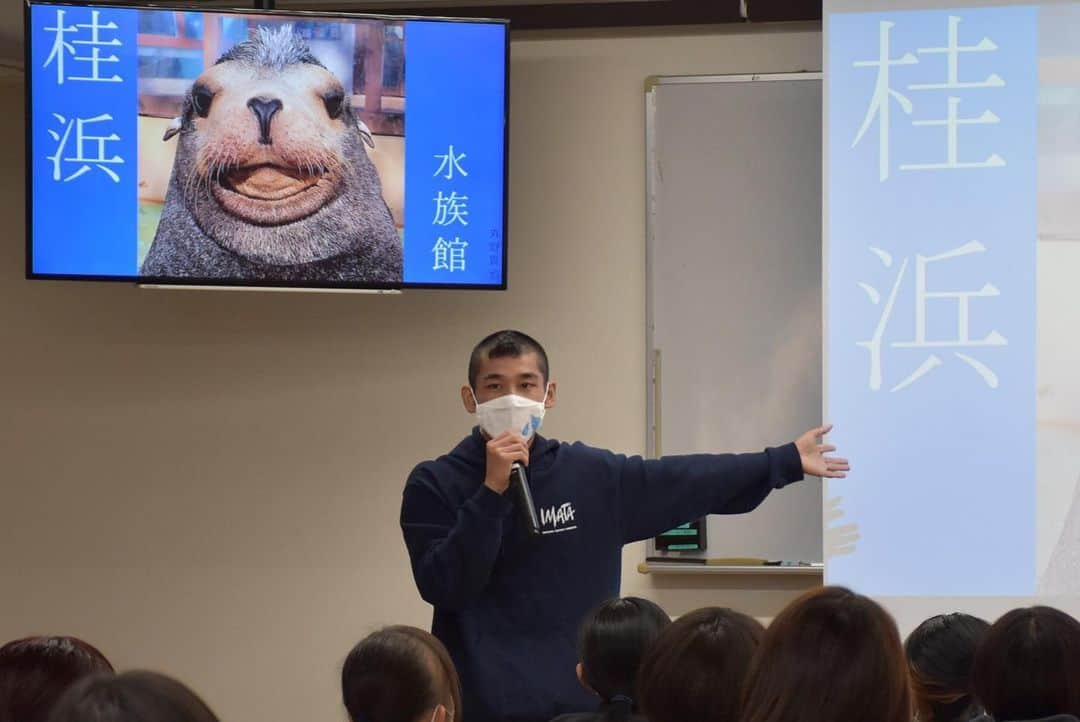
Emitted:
<point x="400" y="674"/>
<point x="614" y="638"/>
<point x="507" y="605"/>
<point x="831" y="656"/>
<point x="131" y="697"/>
<point x="940" y="654"/>
<point x="1028" y="667"/>
<point x="697" y="667"/>
<point x="35" y="672"/>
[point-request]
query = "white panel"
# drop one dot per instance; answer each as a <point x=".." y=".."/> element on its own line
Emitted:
<point x="735" y="286"/>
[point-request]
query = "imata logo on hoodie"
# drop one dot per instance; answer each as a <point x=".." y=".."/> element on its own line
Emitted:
<point x="558" y="518"/>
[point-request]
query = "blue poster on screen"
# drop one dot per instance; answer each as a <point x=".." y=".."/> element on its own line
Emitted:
<point x="84" y="145"/>
<point x="930" y="292"/>
<point x="454" y="163"/>
<point x="179" y="146"/>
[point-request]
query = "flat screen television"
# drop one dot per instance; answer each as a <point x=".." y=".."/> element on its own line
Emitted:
<point x="276" y="149"/>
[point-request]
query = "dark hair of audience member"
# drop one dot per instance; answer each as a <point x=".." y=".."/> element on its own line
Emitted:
<point x="614" y="639"/>
<point x="35" y="672"/>
<point x="696" y="667"/>
<point x="940" y="654"/>
<point x="131" y="697"/>
<point x="830" y="656"/>
<point x="400" y="674"/>
<point x="1028" y="665"/>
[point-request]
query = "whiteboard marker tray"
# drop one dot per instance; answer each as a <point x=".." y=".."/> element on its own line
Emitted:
<point x="740" y="569"/>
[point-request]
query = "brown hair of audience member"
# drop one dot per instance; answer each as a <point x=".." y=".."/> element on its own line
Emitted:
<point x="1028" y="665"/>
<point x="830" y="656"/>
<point x="400" y="674"/>
<point x="35" y="672"/>
<point x="131" y="697"/>
<point x="695" y="668"/>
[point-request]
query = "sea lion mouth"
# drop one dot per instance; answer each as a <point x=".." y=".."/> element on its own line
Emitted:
<point x="269" y="194"/>
<point x="269" y="182"/>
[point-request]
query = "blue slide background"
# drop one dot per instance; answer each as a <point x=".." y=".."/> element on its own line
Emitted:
<point x="87" y="225"/>
<point x="456" y="97"/>
<point x="948" y="456"/>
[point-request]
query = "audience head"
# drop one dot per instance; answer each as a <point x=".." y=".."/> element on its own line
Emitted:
<point x="940" y="654"/>
<point x="131" y="697"/>
<point x="400" y="674"/>
<point x="1028" y="665"/>
<point x="696" y="667"/>
<point x="830" y="656"/>
<point x="614" y="638"/>
<point x="35" y="672"/>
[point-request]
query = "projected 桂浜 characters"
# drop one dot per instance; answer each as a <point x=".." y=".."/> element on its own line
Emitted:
<point x="271" y="179"/>
<point x="961" y="338"/>
<point x="884" y="93"/>
<point x="930" y="262"/>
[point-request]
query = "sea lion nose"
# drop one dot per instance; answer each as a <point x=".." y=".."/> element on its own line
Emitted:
<point x="264" y="109"/>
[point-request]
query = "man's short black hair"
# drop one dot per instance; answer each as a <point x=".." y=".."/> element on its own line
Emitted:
<point x="503" y="344"/>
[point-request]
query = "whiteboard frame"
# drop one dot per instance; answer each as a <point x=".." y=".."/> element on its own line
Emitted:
<point x="653" y="359"/>
<point x="653" y="362"/>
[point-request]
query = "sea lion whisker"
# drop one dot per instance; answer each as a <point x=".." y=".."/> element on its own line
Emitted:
<point x="203" y="173"/>
<point x="190" y="182"/>
<point x="226" y="163"/>
<point x="213" y="174"/>
<point x="325" y="161"/>
<point x="204" y="179"/>
<point x="189" y="178"/>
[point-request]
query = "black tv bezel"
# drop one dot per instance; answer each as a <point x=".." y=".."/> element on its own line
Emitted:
<point x="243" y="283"/>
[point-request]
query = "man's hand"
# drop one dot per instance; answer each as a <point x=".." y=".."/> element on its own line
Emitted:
<point x="812" y="454"/>
<point x="502" y="452"/>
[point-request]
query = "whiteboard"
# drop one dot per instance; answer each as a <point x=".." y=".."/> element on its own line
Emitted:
<point x="734" y="306"/>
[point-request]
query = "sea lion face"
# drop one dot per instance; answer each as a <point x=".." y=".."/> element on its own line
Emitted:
<point x="269" y="146"/>
<point x="268" y="156"/>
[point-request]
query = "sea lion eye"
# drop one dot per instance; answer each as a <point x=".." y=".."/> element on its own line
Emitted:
<point x="334" y="102"/>
<point x="201" y="96"/>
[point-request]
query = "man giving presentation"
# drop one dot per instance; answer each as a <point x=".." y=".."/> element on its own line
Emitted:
<point x="507" y="602"/>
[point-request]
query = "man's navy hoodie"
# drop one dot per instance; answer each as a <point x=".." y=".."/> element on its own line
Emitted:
<point x="508" y="606"/>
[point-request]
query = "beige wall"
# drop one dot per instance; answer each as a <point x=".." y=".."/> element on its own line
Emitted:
<point x="208" y="483"/>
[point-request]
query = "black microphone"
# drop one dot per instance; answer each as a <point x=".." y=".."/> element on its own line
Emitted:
<point x="519" y="482"/>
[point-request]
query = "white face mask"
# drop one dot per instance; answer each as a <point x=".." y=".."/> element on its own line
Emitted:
<point x="510" y="413"/>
